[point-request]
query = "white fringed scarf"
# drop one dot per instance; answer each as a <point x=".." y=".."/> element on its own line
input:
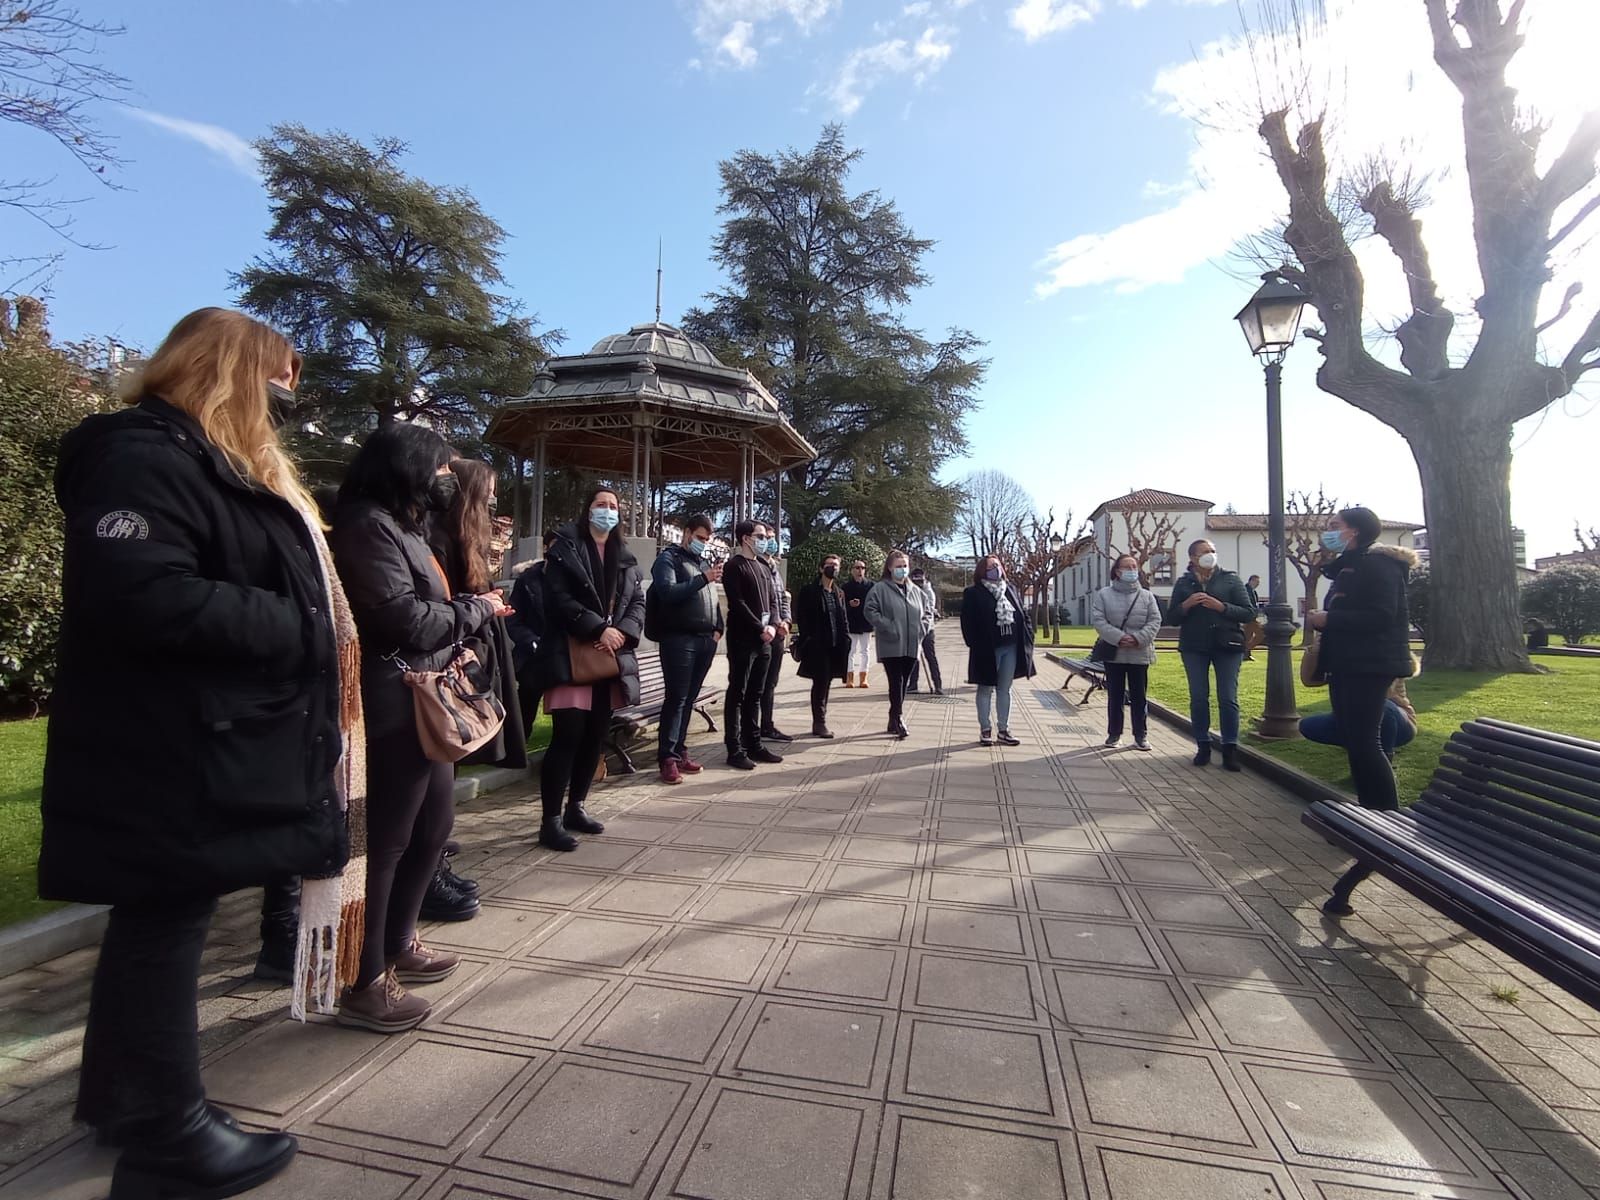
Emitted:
<point x="333" y="910"/>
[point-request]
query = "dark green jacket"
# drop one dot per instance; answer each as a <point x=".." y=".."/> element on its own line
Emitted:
<point x="1202" y="630"/>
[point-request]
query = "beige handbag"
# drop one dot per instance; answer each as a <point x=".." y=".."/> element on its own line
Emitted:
<point x="1311" y="674"/>
<point x="456" y="708"/>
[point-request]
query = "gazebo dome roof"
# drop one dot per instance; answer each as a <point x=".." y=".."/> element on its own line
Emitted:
<point x="657" y="338"/>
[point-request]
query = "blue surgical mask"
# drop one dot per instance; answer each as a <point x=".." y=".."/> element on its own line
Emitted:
<point x="994" y="574"/>
<point x="1130" y="577"/>
<point x="1333" y="541"/>
<point x="900" y="573"/>
<point x="604" y="519"/>
<point x="772" y="545"/>
<point x="698" y="547"/>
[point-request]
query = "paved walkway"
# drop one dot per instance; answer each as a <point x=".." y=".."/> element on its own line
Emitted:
<point x="921" y="970"/>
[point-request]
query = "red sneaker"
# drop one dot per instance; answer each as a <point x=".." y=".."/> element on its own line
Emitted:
<point x="669" y="772"/>
<point x="688" y="766"/>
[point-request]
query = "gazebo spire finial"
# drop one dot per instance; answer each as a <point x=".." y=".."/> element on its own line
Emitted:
<point x="658" y="280"/>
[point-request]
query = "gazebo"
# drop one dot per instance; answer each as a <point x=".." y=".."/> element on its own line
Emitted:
<point x="650" y="406"/>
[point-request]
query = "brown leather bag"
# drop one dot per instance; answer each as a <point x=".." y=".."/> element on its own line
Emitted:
<point x="590" y="662"/>
<point x="456" y="709"/>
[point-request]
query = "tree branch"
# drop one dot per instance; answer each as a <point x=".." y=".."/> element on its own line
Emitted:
<point x="1578" y="359"/>
<point x="1424" y="336"/>
<point x="1573" y="169"/>
<point x="1571" y="227"/>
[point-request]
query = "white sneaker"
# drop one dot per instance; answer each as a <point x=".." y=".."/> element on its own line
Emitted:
<point x="1111" y="743"/>
<point x="1141" y="744"/>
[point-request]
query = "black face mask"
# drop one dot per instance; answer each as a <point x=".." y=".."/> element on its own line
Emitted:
<point x="282" y="405"/>
<point x="442" y="492"/>
<point x="829" y="571"/>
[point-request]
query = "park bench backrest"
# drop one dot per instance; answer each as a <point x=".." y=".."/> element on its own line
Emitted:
<point x="1526" y="799"/>
<point x="652" y="680"/>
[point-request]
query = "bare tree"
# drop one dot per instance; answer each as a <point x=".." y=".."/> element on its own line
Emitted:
<point x="993" y="514"/>
<point x="1588" y="544"/>
<point x="1037" y="562"/>
<point x="51" y="79"/>
<point x="1456" y="418"/>
<point x="1151" y="537"/>
<point x="1305" y="517"/>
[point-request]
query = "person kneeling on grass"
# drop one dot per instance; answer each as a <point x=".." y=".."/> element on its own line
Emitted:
<point x="1399" y="723"/>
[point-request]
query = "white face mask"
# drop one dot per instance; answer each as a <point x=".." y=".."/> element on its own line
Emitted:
<point x="1207" y="561"/>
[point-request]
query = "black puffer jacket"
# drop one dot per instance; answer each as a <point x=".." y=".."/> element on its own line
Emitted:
<point x="402" y="608"/>
<point x="1369" y="627"/>
<point x="194" y="731"/>
<point x="573" y="606"/>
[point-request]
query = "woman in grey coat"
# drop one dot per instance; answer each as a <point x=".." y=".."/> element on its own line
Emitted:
<point x="1127" y="615"/>
<point x="894" y="609"/>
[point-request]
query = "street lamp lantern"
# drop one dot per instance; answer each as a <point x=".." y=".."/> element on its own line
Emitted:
<point x="1272" y="317"/>
<point x="1056" y="542"/>
<point x="1270" y="322"/>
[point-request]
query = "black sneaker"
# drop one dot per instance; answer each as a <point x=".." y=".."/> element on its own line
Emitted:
<point x="985" y="738"/>
<point x="1006" y="739"/>
<point x="447" y="903"/>
<point x="763" y="755"/>
<point x="741" y="762"/>
<point x="773" y="734"/>
<point x="1202" y="756"/>
<point x="467" y="887"/>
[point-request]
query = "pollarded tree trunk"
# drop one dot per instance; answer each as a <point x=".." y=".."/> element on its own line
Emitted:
<point x="1466" y="489"/>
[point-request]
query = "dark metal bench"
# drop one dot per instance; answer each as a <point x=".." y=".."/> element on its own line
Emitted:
<point x="1505" y="840"/>
<point x="627" y="722"/>
<point x="1092" y="673"/>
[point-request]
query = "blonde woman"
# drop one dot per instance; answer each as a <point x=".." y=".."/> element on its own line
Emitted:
<point x="205" y="730"/>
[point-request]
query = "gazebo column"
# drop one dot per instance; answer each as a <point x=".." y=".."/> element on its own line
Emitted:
<point x="647" y="495"/>
<point x="540" y="451"/>
<point x="633" y="488"/>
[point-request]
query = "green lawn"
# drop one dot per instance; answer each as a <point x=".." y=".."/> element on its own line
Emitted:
<point x="1074" y="636"/>
<point x="21" y="775"/>
<point x="1567" y="700"/>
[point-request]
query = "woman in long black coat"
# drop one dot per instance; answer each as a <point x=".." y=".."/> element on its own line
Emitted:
<point x="593" y="593"/>
<point x="998" y="631"/>
<point x="823" y="647"/>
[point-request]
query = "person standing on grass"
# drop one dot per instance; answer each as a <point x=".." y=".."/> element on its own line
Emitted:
<point x="823" y="643"/>
<point x="930" y="653"/>
<point x="1211" y="606"/>
<point x="894" y="608"/>
<point x="1127" y="615"/>
<point x="751" y="631"/>
<point x="1365" y="647"/>
<point x="767" y="553"/>
<point x="999" y="634"/>
<point x="688" y="626"/>
<point x="856" y="590"/>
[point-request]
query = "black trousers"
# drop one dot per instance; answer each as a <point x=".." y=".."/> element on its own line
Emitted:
<point x="410" y="810"/>
<point x="528" y="701"/>
<point x="747" y="679"/>
<point x="577" y="741"/>
<point x="1358" y="704"/>
<point x="280" y="912"/>
<point x="686" y="658"/>
<point x="141" y="1042"/>
<point x="769" y="688"/>
<point x="820" y="689"/>
<point x="899" y="672"/>
<point x="1127" y="681"/>
<point x="931" y="654"/>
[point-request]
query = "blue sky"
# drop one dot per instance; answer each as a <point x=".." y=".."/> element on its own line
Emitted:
<point x="1082" y="217"/>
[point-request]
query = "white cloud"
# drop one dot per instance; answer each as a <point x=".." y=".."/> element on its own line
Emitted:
<point x="1040" y="18"/>
<point x="729" y="28"/>
<point x="224" y="143"/>
<point x="920" y="8"/>
<point x="865" y="68"/>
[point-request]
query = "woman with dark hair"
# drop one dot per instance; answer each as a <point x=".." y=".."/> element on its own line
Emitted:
<point x="593" y="595"/>
<point x="998" y="631"/>
<point x="409" y="618"/>
<point x="823" y="645"/>
<point x="1365" y="646"/>
<point x="894" y="608"/>
<point x="1211" y="607"/>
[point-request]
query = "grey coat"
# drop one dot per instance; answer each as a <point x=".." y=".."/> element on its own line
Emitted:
<point x="896" y="617"/>
<point x="1107" y="609"/>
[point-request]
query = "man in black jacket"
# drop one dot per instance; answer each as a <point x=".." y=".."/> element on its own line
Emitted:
<point x="683" y="614"/>
<point x="767" y="552"/>
<point x="527" y="630"/>
<point x="751" y="630"/>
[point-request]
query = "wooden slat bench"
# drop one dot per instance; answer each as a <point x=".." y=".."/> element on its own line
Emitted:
<point x="1505" y="840"/>
<point x="1092" y="673"/>
<point x="628" y="722"/>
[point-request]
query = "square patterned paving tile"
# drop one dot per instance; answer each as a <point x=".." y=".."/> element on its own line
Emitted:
<point x="974" y="986"/>
<point x="1255" y="1018"/>
<point x="716" y="955"/>
<point x="495" y="930"/>
<point x="891" y="883"/>
<point x="1182" y="1095"/>
<point x="973" y="929"/>
<point x="1055" y="837"/>
<point x="750" y="907"/>
<point x="535" y="1005"/>
<point x="1319" y="1184"/>
<point x="1229" y="956"/>
<point x="828" y="801"/>
<point x="1066" y="864"/>
<point x="629" y="828"/>
<point x="775" y="872"/>
<point x="953" y="887"/>
<point x="645" y="898"/>
<point x="834" y="970"/>
<point x="704" y="835"/>
<point x="601" y="1127"/>
<point x="885" y="851"/>
<point x="891" y="826"/>
<point x="873" y="920"/>
<point x="935" y="1156"/>
<point x="800" y="818"/>
<point x="988" y="833"/>
<point x="597" y="854"/>
<point x="552" y="886"/>
<point x="1079" y="899"/>
<point x="744" y="1145"/>
<point x="679" y="863"/>
<point x="286" y="1064"/>
<point x="667" y="1023"/>
<point x="977" y="1068"/>
<point x="1121" y="1170"/>
<point x="1130" y="1005"/>
<point x="1126" y="842"/>
<point x="806" y="1045"/>
<point x="959" y="856"/>
<point x="595" y="942"/>
<point x="1208" y="909"/>
<point x="792" y="841"/>
<point x="1177" y="872"/>
<point x="1101" y="942"/>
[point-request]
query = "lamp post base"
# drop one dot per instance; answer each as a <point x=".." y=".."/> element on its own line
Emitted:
<point x="1280" y="720"/>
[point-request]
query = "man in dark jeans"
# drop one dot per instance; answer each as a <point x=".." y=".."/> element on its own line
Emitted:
<point x="682" y="611"/>
<point x="767" y="552"/>
<point x="751" y="631"/>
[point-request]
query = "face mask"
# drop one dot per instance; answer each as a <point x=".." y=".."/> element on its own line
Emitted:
<point x="604" y="519"/>
<point x="899" y="574"/>
<point x="770" y="547"/>
<point x="918" y="578"/>
<point x="1333" y="540"/>
<point x="494" y="504"/>
<point x="698" y="547"/>
<point x="1130" y="577"/>
<point x="1207" y="561"/>
<point x="281" y="405"/>
<point x="994" y="574"/>
<point x="829" y="571"/>
<point x="442" y="491"/>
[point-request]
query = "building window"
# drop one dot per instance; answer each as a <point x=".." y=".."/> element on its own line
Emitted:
<point x="1161" y="567"/>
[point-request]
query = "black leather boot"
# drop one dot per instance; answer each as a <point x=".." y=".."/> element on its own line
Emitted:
<point x="1230" y="758"/>
<point x="446" y="902"/>
<point x="1202" y="756"/>
<point x="200" y="1158"/>
<point x="280" y="930"/>
<point x="579" y="821"/>
<point x="554" y="836"/>
<point x="467" y="887"/>
<point x="117" y="1136"/>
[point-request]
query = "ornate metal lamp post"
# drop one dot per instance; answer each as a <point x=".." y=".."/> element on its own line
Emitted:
<point x="1270" y="322"/>
<point x="1056" y="542"/>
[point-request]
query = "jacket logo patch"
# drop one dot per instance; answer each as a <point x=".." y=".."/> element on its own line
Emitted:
<point x="123" y="525"/>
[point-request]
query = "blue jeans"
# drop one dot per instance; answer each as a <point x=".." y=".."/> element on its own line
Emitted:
<point x="1324" y="728"/>
<point x="1198" y="667"/>
<point x="685" y="660"/>
<point x="1005" y="665"/>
